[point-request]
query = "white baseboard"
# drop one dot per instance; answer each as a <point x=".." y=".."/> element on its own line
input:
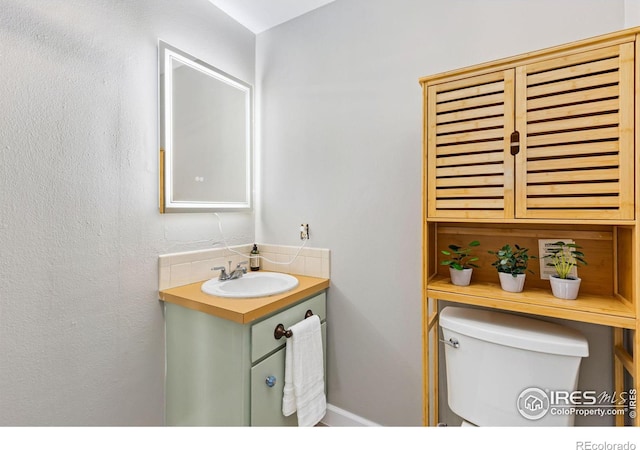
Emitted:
<point x="337" y="417"/>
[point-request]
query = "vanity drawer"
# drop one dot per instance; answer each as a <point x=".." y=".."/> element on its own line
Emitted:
<point x="262" y="340"/>
<point x="266" y="399"/>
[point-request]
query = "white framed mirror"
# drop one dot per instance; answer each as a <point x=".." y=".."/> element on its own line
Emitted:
<point x="206" y="136"/>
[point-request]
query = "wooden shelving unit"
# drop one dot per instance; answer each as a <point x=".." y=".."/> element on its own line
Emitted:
<point x="538" y="146"/>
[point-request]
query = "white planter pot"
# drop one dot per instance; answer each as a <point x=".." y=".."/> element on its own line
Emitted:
<point x="460" y="277"/>
<point x="510" y="283"/>
<point x="565" y="288"/>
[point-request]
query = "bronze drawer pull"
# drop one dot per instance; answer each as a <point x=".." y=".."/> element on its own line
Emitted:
<point x="280" y="331"/>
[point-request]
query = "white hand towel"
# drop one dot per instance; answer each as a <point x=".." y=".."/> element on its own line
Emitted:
<point x="304" y="373"/>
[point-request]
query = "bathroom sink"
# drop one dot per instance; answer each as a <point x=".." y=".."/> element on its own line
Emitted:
<point x="259" y="284"/>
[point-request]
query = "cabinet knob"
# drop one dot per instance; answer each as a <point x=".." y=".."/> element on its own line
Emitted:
<point x="270" y="380"/>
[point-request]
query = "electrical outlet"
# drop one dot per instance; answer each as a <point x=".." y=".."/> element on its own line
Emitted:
<point x="304" y="231"/>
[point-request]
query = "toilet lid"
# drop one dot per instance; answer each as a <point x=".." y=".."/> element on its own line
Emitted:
<point x="514" y="331"/>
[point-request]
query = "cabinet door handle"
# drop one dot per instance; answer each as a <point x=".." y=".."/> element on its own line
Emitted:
<point x="270" y="380"/>
<point x="515" y="143"/>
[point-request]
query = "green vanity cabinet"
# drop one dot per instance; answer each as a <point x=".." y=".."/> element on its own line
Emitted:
<point x="217" y="369"/>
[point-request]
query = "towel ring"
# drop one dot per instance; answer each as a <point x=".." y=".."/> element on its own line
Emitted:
<point x="280" y="330"/>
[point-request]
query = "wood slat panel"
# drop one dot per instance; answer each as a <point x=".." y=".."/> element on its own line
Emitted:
<point x="470" y="148"/>
<point x="495" y="157"/>
<point x="472" y="91"/>
<point x="584" y="162"/>
<point x="572" y="149"/>
<point x="494" y="180"/>
<point x="470" y="136"/>
<point x="496" y="110"/>
<point x="571" y="116"/>
<point x="491" y="169"/>
<point x="592" y="81"/>
<point x="551" y="126"/>
<point x="573" y="202"/>
<point x="573" y="71"/>
<point x="576" y="176"/>
<point x="471" y="125"/>
<point x="573" y="97"/>
<point x="482" y="192"/>
<point x="573" y="59"/>
<point x="477" y="102"/>
<point x="470" y="204"/>
<point x="573" y="110"/>
<point x="431" y="150"/>
<point x="466" y="147"/>
<point x="573" y="137"/>
<point x="573" y="189"/>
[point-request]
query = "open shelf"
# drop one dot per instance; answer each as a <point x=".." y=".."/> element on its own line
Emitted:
<point x="598" y="309"/>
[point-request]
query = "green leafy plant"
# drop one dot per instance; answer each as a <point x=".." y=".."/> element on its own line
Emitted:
<point x="461" y="257"/>
<point x="512" y="260"/>
<point x="564" y="257"/>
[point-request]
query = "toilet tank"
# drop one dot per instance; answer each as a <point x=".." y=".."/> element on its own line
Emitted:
<point x="504" y="365"/>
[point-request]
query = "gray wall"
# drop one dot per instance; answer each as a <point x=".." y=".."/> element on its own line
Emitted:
<point x="81" y="329"/>
<point x="341" y="150"/>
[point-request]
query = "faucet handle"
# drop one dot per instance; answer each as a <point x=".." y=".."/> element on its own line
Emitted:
<point x="223" y="272"/>
<point x="244" y="269"/>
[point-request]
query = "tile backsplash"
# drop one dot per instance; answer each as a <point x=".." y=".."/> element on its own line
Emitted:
<point x="177" y="269"/>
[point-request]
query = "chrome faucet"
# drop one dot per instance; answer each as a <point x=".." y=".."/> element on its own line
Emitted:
<point x="232" y="275"/>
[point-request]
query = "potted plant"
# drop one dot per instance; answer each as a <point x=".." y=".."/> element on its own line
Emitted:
<point x="563" y="257"/>
<point x="461" y="262"/>
<point x="511" y="263"/>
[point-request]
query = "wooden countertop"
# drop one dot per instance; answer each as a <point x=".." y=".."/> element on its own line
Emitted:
<point x="241" y="310"/>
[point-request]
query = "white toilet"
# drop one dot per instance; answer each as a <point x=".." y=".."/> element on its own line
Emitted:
<point x="507" y="370"/>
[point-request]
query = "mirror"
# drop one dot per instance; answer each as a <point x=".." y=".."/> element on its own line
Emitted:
<point x="206" y="123"/>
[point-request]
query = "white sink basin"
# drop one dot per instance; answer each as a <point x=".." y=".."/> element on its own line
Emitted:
<point x="258" y="284"/>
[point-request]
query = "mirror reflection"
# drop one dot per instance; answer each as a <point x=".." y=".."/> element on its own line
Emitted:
<point x="206" y="136"/>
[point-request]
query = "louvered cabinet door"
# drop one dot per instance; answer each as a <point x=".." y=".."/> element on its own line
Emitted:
<point x="575" y="116"/>
<point x="469" y="166"/>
